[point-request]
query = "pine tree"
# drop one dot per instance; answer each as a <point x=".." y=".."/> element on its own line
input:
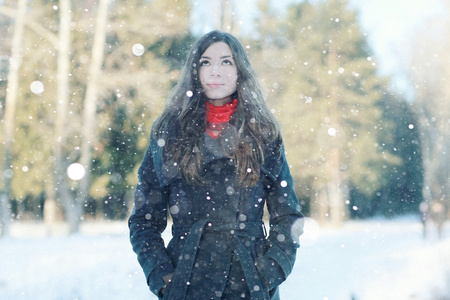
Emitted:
<point x="402" y="183"/>
<point x="324" y="80"/>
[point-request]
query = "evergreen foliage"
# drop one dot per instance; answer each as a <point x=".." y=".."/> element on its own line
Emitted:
<point x="322" y="81"/>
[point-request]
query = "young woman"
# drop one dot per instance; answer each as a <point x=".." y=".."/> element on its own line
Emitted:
<point x="215" y="159"/>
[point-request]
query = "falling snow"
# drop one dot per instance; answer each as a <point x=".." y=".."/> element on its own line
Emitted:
<point x="138" y="49"/>
<point x="37" y="87"/>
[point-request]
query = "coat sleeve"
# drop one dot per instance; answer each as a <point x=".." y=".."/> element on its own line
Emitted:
<point x="147" y="222"/>
<point x="286" y="220"/>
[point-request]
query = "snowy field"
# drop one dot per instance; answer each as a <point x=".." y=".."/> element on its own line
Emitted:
<point x="376" y="259"/>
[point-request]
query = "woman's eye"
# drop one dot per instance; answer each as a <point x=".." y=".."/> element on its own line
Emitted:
<point x="227" y="62"/>
<point x="204" y="63"/>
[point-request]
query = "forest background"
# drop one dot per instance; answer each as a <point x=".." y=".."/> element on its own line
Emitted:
<point x="81" y="83"/>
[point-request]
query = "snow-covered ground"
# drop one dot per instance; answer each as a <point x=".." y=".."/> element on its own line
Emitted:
<point x="375" y="259"/>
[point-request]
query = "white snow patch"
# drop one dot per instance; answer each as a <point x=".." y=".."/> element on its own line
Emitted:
<point x="367" y="260"/>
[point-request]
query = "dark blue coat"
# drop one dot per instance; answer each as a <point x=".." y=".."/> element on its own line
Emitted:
<point x="219" y="248"/>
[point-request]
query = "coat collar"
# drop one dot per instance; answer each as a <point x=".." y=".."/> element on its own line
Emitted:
<point x="220" y="148"/>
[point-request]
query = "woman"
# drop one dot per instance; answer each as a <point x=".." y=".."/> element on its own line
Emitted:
<point x="215" y="159"/>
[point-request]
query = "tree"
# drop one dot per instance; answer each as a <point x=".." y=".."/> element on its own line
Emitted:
<point x="74" y="210"/>
<point x="63" y="91"/>
<point x="32" y="153"/>
<point x="140" y="68"/>
<point x="10" y="112"/>
<point x="324" y="80"/>
<point x="428" y="70"/>
<point x="401" y="182"/>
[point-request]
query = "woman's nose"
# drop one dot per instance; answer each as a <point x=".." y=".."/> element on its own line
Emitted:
<point x="215" y="70"/>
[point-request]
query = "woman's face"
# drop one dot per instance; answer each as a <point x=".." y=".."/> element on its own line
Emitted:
<point x="218" y="73"/>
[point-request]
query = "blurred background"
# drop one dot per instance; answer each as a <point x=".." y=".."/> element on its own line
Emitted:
<point x="81" y="82"/>
<point x="361" y="89"/>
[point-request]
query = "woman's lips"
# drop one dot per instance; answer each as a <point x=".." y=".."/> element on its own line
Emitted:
<point x="214" y="85"/>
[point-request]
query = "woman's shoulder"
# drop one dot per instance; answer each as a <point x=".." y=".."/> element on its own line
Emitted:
<point x="274" y="147"/>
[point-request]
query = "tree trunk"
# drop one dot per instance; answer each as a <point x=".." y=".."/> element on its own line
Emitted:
<point x="10" y="111"/>
<point x="336" y="203"/>
<point x="320" y="207"/>
<point x="335" y="190"/>
<point x="52" y="214"/>
<point x="89" y="115"/>
<point x="64" y="195"/>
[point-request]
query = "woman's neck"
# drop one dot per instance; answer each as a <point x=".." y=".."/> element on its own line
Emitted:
<point x="218" y="116"/>
<point x="220" y="102"/>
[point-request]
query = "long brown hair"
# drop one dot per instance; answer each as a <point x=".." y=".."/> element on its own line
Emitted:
<point x="182" y="123"/>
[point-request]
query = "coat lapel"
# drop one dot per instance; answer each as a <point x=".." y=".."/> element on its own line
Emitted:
<point x="220" y="148"/>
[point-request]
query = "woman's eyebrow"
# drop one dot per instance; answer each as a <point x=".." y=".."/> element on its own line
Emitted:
<point x="222" y="57"/>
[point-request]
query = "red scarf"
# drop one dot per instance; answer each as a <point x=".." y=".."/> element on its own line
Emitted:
<point x="217" y="117"/>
